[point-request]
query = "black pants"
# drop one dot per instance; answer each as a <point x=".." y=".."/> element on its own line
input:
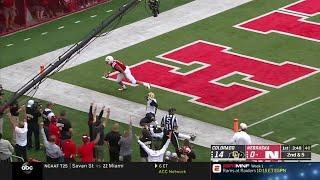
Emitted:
<point x="33" y="128"/>
<point x="147" y="119"/>
<point x="21" y="151"/>
<point x="46" y="130"/>
<point x="114" y="156"/>
<point x="126" y="158"/>
<point x="174" y="139"/>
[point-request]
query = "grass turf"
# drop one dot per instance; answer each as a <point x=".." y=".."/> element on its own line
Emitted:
<point x="71" y="33"/>
<point x="218" y="29"/>
<point x="79" y="124"/>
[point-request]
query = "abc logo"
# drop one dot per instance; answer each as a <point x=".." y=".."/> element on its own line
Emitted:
<point x="216" y="168"/>
<point x="26" y="168"/>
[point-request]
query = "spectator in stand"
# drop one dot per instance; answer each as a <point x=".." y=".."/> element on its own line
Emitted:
<point x="69" y="149"/>
<point x="54" y="130"/>
<point x="53" y="151"/>
<point x="46" y="115"/>
<point x="83" y="3"/>
<point x="69" y="5"/>
<point x="112" y="141"/>
<point x="33" y="113"/>
<point x="186" y="150"/>
<point x="63" y="5"/>
<point x="37" y="8"/>
<point x="1" y="114"/>
<point x="91" y="118"/>
<point x="147" y="140"/>
<point x="155" y="155"/>
<point x="45" y="8"/>
<point x="85" y="151"/>
<point x="6" y="150"/>
<point x="53" y="5"/>
<point x="241" y="137"/>
<point x="98" y="128"/>
<point x="125" y="144"/>
<point x="21" y="130"/>
<point x="64" y="126"/>
<point x="14" y="110"/>
<point x="9" y="11"/>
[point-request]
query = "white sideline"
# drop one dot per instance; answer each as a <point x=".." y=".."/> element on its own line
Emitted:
<point x="282" y="112"/>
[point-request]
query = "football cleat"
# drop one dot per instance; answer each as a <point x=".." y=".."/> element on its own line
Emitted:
<point x="122" y="88"/>
<point x="147" y="85"/>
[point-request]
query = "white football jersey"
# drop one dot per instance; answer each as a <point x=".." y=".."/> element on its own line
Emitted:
<point x="241" y="138"/>
<point x="151" y="108"/>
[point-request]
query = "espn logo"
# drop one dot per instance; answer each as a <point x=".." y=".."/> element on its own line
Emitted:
<point x="216" y="168"/>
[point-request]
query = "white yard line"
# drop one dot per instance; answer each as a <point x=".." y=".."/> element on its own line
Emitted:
<point x="267" y="134"/>
<point x="314" y="145"/>
<point x="110" y="10"/>
<point x="289" y="140"/>
<point x="77" y="22"/>
<point x="282" y="112"/>
<point x="93" y="16"/>
<point x="26" y="39"/>
<point x="44" y="33"/>
<point x="8" y="45"/>
<point x="61" y="27"/>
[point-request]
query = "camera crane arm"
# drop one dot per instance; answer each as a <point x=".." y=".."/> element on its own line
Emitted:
<point x="68" y="54"/>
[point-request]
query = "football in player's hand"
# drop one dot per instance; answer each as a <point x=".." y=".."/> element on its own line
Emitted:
<point x="106" y="75"/>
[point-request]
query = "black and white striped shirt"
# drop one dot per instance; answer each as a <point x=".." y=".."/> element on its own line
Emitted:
<point x="169" y="122"/>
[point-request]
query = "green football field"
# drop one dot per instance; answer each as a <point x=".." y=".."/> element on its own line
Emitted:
<point x="296" y="118"/>
<point x="48" y="37"/>
<point x="301" y="122"/>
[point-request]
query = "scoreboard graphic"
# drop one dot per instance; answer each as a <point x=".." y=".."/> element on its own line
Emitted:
<point x="260" y="152"/>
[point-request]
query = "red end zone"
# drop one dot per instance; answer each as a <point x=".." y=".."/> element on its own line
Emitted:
<point x="217" y="63"/>
<point x="284" y="23"/>
<point x="290" y="20"/>
<point x="307" y="7"/>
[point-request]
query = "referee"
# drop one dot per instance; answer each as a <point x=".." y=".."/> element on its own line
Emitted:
<point x="170" y="124"/>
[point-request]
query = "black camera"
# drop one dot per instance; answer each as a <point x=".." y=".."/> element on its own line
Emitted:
<point x="154" y="7"/>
